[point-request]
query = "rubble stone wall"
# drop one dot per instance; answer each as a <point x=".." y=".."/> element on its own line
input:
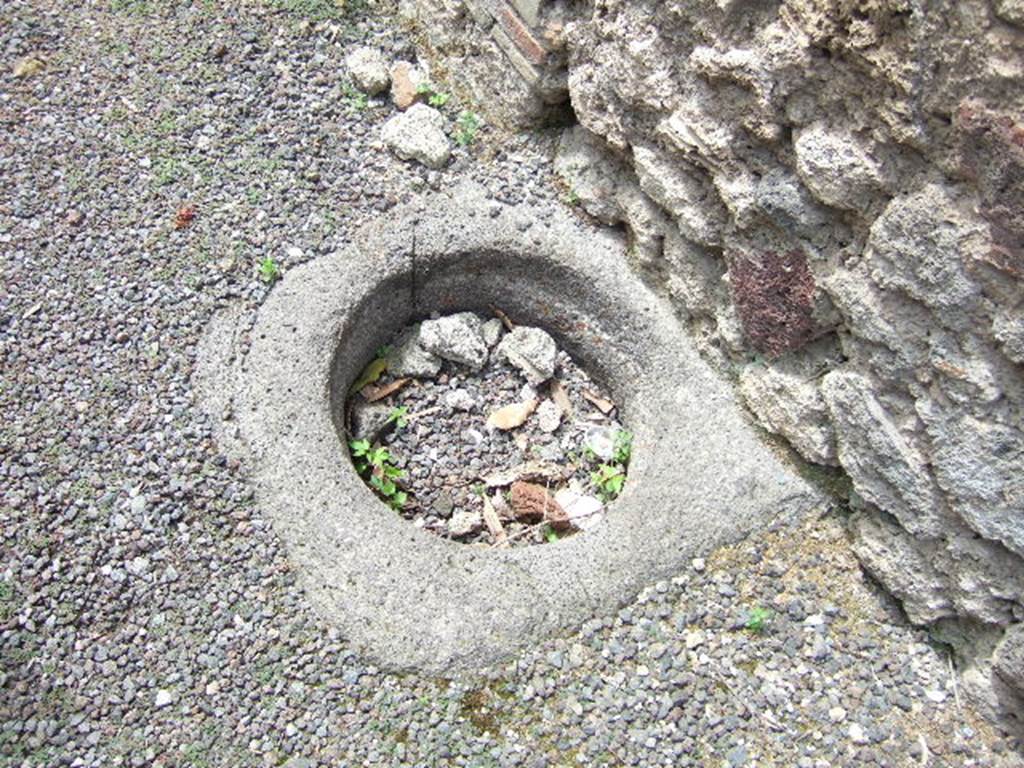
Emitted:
<point x="832" y="193"/>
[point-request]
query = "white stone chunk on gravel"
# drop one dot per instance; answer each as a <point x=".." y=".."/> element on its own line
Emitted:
<point x="532" y="351"/>
<point x="549" y="416"/>
<point x="455" y="338"/>
<point x="492" y="331"/>
<point x="601" y="441"/>
<point x="464" y="523"/>
<point x="585" y="512"/>
<point x="408" y="357"/>
<point x="460" y="400"/>
<point x="418" y="134"/>
<point x="163" y="698"/>
<point x="369" y="70"/>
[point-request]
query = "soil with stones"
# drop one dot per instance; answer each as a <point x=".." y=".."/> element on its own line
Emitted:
<point x="497" y="435"/>
<point x="149" y="613"/>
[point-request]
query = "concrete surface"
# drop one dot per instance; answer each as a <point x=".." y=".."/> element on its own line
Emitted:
<point x="699" y="478"/>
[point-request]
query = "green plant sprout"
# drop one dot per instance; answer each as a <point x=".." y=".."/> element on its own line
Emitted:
<point x="466" y="127"/>
<point x="623" y="447"/>
<point x="398" y="416"/>
<point x="435" y="98"/>
<point x="269" y="271"/>
<point x="608" y="479"/>
<point x="374" y="465"/>
<point x="355" y="98"/>
<point x="757" y="620"/>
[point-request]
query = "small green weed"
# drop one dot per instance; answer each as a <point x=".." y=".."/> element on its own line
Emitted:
<point x="167" y="172"/>
<point x="375" y="465"/>
<point x="571" y="197"/>
<point x="467" y="125"/>
<point x="757" y="620"/>
<point x="355" y="98"/>
<point x="435" y="97"/>
<point x="8" y="601"/>
<point x="623" y="447"/>
<point x="399" y="416"/>
<point x="608" y="480"/>
<point x="269" y="271"/>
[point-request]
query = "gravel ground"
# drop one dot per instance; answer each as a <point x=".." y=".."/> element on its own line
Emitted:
<point x="148" y="614"/>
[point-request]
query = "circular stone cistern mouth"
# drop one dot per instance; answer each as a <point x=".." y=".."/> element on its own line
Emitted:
<point x="484" y="432"/>
<point x="403" y="585"/>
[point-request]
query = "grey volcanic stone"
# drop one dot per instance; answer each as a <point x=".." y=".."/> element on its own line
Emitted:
<point x="836" y="166"/>
<point x="456" y="338"/>
<point x="418" y="134"/>
<point x="532" y="351"/>
<point x="492" y="331"/>
<point x="683" y="190"/>
<point x="789" y="403"/>
<point x="885" y="468"/>
<point x="593" y="176"/>
<point x="465" y="522"/>
<point x="982" y="466"/>
<point x="369" y="420"/>
<point x="1011" y="11"/>
<point x="460" y="400"/>
<point x="1008" y="659"/>
<point x="890" y="555"/>
<point x="549" y="416"/>
<point x="919" y="246"/>
<point x="409" y="358"/>
<point x="1008" y="329"/>
<point x="369" y="70"/>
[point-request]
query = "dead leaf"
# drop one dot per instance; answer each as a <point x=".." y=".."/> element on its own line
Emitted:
<point x="372" y="393"/>
<point x="504" y="319"/>
<point x="604" y="406"/>
<point x="370" y="374"/>
<point x="561" y="398"/>
<point x="530" y="470"/>
<point x="532" y="503"/>
<point x="512" y="416"/>
<point x="493" y="522"/>
<point x="28" y="66"/>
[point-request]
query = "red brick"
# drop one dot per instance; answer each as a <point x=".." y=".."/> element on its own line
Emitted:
<point x="521" y="35"/>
